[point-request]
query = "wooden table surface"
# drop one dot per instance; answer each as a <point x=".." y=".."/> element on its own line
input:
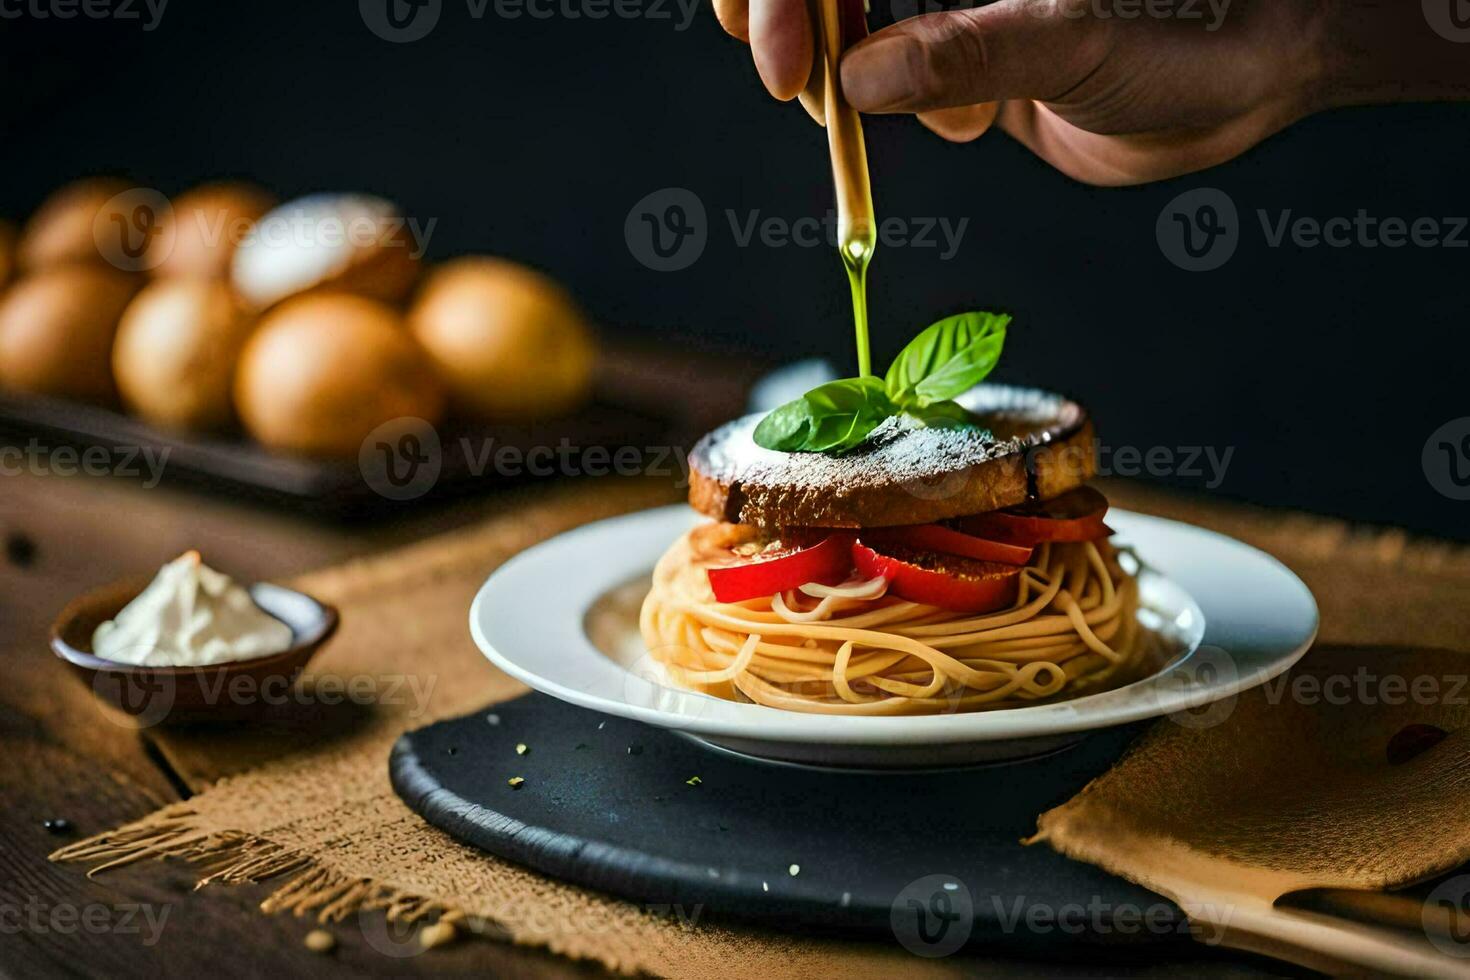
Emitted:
<point x="60" y="758"/>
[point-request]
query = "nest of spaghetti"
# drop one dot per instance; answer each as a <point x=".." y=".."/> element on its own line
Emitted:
<point x="1016" y="607"/>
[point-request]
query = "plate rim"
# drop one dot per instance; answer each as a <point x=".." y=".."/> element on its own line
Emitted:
<point x="719" y="718"/>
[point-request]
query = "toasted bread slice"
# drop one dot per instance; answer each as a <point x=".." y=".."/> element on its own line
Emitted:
<point x="1040" y="445"/>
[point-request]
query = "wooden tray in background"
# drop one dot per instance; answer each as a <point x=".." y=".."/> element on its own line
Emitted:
<point x="645" y="398"/>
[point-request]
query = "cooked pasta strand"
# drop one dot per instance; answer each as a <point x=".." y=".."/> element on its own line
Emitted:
<point x="1073" y="629"/>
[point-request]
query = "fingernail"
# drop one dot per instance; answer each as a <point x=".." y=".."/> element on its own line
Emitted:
<point x="881" y="75"/>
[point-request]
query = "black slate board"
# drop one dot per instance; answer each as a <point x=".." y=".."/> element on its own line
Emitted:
<point x="606" y="804"/>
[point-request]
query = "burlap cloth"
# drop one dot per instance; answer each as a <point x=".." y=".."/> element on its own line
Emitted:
<point x="309" y="805"/>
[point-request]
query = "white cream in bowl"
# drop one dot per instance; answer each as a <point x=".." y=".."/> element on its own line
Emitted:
<point x="190" y="616"/>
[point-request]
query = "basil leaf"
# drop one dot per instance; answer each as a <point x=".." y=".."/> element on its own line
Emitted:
<point x="858" y="395"/>
<point x="844" y="412"/>
<point x="947" y="359"/>
<point x="830" y="418"/>
<point x="785" y="428"/>
<point x="943" y="415"/>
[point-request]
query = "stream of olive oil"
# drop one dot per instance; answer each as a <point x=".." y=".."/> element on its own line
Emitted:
<point x="856" y="227"/>
<point x="857" y="278"/>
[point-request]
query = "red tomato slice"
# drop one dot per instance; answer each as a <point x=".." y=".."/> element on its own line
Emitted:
<point x="1076" y="515"/>
<point x="947" y="541"/>
<point x="786" y="568"/>
<point x="957" y="584"/>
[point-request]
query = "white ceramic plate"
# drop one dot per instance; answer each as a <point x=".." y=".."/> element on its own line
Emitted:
<point x="563" y="618"/>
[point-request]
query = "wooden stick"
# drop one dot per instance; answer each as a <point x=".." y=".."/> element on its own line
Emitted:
<point x="856" y="227"/>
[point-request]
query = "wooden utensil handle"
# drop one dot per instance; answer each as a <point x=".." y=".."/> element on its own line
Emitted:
<point x="839" y="24"/>
<point x="1336" y="946"/>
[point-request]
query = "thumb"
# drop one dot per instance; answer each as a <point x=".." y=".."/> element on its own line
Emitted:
<point x="1017" y="49"/>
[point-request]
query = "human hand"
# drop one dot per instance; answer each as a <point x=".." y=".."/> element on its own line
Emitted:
<point x="1106" y="100"/>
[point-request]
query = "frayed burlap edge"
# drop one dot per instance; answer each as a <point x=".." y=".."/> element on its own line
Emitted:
<point x="237" y="858"/>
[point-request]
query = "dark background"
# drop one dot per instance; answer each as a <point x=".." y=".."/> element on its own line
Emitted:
<point x="1326" y="369"/>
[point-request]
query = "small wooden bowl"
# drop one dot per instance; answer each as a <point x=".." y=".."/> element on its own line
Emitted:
<point x="233" y="691"/>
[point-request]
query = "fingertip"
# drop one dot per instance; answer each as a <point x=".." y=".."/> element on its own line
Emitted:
<point x="781" y="42"/>
<point x="960" y="124"/>
<point x="813" y="104"/>
<point x="734" y="17"/>
<point x="879" y="73"/>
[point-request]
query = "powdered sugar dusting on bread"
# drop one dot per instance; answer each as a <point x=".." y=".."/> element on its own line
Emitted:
<point x="904" y="472"/>
<point x="898" y="451"/>
<point x="895" y="452"/>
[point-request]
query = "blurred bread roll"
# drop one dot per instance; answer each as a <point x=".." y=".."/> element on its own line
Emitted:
<point x="9" y="236"/>
<point x="61" y="230"/>
<point x="509" y="341"/>
<point x="349" y="243"/>
<point x="57" y="328"/>
<point x="321" y="372"/>
<point x="176" y="351"/>
<point x="199" y="236"/>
